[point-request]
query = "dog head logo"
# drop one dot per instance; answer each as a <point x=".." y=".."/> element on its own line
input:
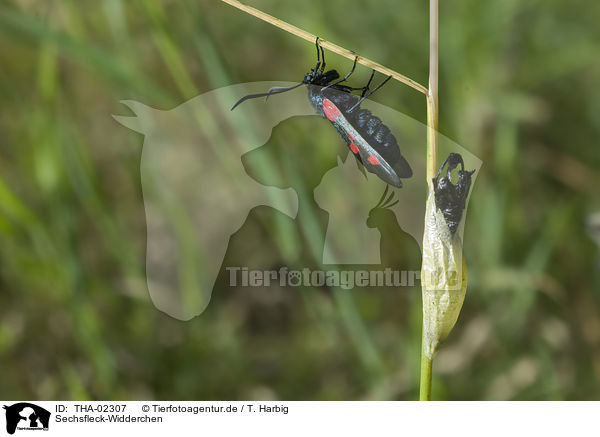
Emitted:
<point x="26" y="416"/>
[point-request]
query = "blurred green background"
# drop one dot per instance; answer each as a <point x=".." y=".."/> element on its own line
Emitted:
<point x="519" y="89"/>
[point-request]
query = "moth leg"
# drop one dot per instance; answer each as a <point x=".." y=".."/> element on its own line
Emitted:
<point x="366" y="96"/>
<point x="317" y="65"/>
<point x="323" y="59"/>
<point x="343" y="78"/>
<point x="366" y="87"/>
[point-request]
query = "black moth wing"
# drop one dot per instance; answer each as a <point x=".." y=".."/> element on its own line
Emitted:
<point x="375" y="132"/>
<point x="373" y="161"/>
<point x="366" y="136"/>
<point x="379" y="136"/>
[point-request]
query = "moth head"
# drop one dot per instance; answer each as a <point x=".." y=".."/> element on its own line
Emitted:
<point x="316" y="77"/>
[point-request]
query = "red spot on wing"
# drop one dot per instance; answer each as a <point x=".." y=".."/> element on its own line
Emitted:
<point x="330" y="110"/>
<point x="353" y="146"/>
<point x="373" y="160"/>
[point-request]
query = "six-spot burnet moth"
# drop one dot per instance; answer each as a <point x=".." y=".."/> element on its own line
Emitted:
<point x="371" y="142"/>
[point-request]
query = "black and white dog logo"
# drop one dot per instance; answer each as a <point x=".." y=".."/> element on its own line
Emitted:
<point x="26" y="416"/>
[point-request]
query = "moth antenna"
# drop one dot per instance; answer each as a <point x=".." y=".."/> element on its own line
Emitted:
<point x="279" y="90"/>
<point x="274" y="90"/>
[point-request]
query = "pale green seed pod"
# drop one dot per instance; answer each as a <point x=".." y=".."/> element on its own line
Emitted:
<point x="443" y="278"/>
